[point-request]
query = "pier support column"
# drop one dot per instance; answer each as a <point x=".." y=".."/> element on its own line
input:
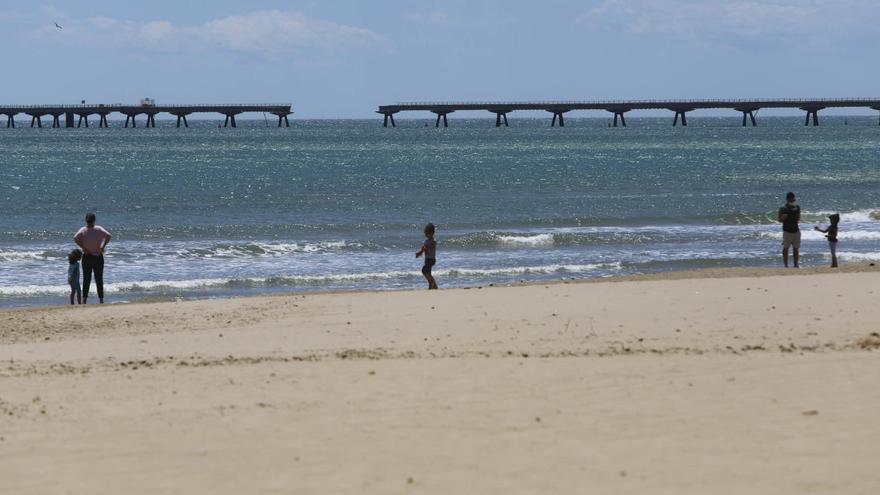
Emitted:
<point x="230" y="120"/>
<point x="68" y="119"/>
<point x="56" y="121"/>
<point x="130" y="117"/>
<point x="10" y="122"/>
<point x="681" y="114"/>
<point x="557" y="115"/>
<point x="749" y="114"/>
<point x="182" y="118"/>
<point x="37" y="120"/>
<point x="389" y="117"/>
<point x="499" y="117"/>
<point x="621" y="117"/>
<point x="103" y="121"/>
<point x="812" y="112"/>
<point x="83" y="117"/>
<point x="151" y="120"/>
<point x="441" y="115"/>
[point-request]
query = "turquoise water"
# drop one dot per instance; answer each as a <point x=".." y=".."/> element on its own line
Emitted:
<point x="326" y="205"/>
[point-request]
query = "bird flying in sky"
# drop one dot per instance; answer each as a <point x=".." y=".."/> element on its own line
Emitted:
<point x="59" y="27"/>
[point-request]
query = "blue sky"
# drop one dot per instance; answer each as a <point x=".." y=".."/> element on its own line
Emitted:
<point x="343" y="58"/>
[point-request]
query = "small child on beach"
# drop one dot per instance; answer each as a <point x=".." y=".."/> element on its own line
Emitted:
<point x="831" y="235"/>
<point x="429" y="249"/>
<point x="73" y="275"/>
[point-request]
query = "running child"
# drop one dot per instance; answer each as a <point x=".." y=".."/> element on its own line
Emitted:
<point x="429" y="249"/>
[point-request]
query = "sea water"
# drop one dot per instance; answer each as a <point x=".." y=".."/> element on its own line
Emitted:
<point x="206" y="212"/>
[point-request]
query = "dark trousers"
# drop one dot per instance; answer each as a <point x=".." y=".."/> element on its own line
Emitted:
<point x="92" y="263"/>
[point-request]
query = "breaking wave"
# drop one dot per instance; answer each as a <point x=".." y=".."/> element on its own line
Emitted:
<point x="294" y="281"/>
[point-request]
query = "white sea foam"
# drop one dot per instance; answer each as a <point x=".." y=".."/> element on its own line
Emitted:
<point x="849" y="256"/>
<point x="858" y="235"/>
<point x="186" y="250"/>
<point x="294" y="247"/>
<point x="27" y="255"/>
<point x="262" y="249"/>
<point x="813" y="235"/>
<point x="141" y="285"/>
<point x="33" y="290"/>
<point x="525" y="270"/>
<point x="298" y="280"/>
<point x="858" y="216"/>
<point x="527" y="240"/>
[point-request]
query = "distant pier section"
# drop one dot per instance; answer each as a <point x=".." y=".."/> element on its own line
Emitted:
<point x="78" y="115"/>
<point x="748" y="108"/>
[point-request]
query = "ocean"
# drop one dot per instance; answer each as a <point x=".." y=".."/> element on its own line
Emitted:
<point x="327" y="205"/>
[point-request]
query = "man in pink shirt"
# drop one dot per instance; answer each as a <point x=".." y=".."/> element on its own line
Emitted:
<point x="92" y="239"/>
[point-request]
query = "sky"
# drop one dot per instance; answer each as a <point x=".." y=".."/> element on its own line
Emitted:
<point x="343" y="58"/>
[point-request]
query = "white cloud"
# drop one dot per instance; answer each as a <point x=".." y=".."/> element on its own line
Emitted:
<point x="269" y="31"/>
<point x="690" y="18"/>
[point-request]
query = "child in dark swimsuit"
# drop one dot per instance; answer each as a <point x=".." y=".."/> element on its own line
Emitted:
<point x="429" y="249"/>
<point x="73" y="275"/>
<point x="831" y="235"/>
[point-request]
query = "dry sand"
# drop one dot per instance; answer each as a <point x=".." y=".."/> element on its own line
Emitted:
<point x="710" y="382"/>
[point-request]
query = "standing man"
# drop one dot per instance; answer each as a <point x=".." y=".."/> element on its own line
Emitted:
<point x="789" y="216"/>
<point x="92" y="239"/>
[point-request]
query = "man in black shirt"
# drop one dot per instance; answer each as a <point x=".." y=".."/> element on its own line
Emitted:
<point x="789" y="216"/>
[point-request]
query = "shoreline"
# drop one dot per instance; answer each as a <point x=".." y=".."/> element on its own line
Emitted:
<point x="687" y="274"/>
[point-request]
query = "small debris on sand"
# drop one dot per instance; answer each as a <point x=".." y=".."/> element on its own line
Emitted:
<point x="872" y="341"/>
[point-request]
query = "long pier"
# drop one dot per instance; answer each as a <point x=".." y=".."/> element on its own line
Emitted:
<point x="748" y="108"/>
<point x="78" y="115"/>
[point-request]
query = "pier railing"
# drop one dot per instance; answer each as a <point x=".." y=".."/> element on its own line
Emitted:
<point x="747" y="106"/>
<point x="179" y="110"/>
<point x="637" y="102"/>
<point x="80" y="106"/>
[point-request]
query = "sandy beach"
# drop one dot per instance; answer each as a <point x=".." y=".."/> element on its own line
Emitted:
<point x="723" y="381"/>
